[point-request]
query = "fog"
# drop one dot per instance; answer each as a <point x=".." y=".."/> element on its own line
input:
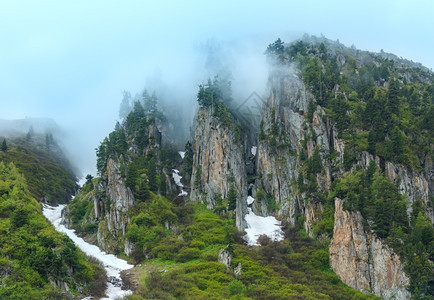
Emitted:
<point x="71" y="61"/>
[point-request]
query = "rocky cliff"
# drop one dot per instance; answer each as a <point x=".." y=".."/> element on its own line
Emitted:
<point x="362" y="260"/>
<point x="284" y="135"/>
<point x="321" y="123"/>
<point x="300" y="152"/>
<point x="219" y="161"/>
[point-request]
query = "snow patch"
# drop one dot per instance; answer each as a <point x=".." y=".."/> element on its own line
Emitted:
<point x="111" y="263"/>
<point x="250" y="200"/>
<point x="177" y="178"/>
<point x="257" y="226"/>
<point x="178" y="182"/>
<point x="253" y="150"/>
<point x="183" y="193"/>
<point x="182" y="153"/>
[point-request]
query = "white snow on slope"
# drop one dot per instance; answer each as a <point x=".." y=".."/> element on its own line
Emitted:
<point x="250" y="200"/>
<point x="253" y="150"/>
<point x="177" y="178"/>
<point x="178" y="182"/>
<point x="257" y="226"/>
<point x="111" y="263"/>
<point x="182" y="153"/>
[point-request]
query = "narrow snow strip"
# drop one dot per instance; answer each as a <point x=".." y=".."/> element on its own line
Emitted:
<point x="182" y="153"/>
<point x="183" y="193"/>
<point x="111" y="263"/>
<point x="257" y="226"/>
<point x="177" y="178"/>
<point x="178" y="182"/>
<point x="250" y="200"/>
<point x="253" y="150"/>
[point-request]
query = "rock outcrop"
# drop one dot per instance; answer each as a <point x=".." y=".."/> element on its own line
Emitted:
<point x="363" y="261"/>
<point x="219" y="161"/>
<point x="285" y="126"/>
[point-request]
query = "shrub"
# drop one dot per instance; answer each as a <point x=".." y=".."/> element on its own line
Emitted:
<point x="187" y="254"/>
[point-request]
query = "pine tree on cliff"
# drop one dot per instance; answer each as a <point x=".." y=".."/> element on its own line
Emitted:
<point x="152" y="175"/>
<point x="276" y="49"/>
<point x="125" y="106"/>
<point x="142" y="193"/>
<point x="232" y="198"/>
<point x="188" y="161"/>
<point x="4" y="146"/>
<point x="131" y="176"/>
<point x="393" y="96"/>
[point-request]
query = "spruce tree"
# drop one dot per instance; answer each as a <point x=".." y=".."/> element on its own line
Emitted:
<point x="393" y="96"/>
<point x="4" y="146"/>
<point x="131" y="176"/>
<point x="152" y="175"/>
<point x="142" y="193"/>
<point x="232" y="198"/>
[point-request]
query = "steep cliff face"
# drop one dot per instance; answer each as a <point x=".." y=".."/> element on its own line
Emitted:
<point x="117" y="201"/>
<point x="285" y="134"/>
<point x="219" y="161"/>
<point x="414" y="184"/>
<point x="363" y="261"/>
<point x="132" y="152"/>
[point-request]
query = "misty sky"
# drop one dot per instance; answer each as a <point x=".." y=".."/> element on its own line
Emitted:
<point x="71" y="60"/>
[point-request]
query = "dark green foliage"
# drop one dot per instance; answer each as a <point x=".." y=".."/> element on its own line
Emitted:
<point x="187" y="162"/>
<point x="169" y="156"/>
<point x="349" y="158"/>
<point x="314" y="165"/>
<point x="419" y="253"/>
<point x="393" y="96"/>
<point x="295" y="268"/>
<point x="310" y="110"/>
<point x="45" y="173"/>
<point x="132" y="175"/>
<point x="375" y="197"/>
<point x="355" y="97"/>
<point x="395" y="150"/>
<point x="198" y="178"/>
<point x="390" y="207"/>
<point x="232" y="198"/>
<point x="31" y="251"/>
<point x="276" y="49"/>
<point x="262" y="135"/>
<point x="142" y="193"/>
<point x="340" y="107"/>
<point x="101" y="156"/>
<point x="215" y="93"/>
<point x="300" y="182"/>
<point x="88" y="186"/>
<point x="151" y="172"/>
<point x="379" y="200"/>
<point x="4" y="146"/>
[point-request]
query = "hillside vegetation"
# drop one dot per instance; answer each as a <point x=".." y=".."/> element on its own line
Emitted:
<point x="48" y="174"/>
<point x="37" y="262"/>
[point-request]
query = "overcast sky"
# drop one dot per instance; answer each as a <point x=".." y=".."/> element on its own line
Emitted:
<point x="71" y="60"/>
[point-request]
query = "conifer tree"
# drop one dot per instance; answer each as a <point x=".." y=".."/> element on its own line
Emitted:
<point x="152" y="175"/>
<point x="4" y="146"/>
<point x="131" y="176"/>
<point x="393" y="93"/>
<point x="232" y="198"/>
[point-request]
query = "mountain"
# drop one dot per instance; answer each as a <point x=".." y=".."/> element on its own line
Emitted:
<point x="37" y="262"/>
<point x="49" y="174"/>
<point x="341" y="155"/>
